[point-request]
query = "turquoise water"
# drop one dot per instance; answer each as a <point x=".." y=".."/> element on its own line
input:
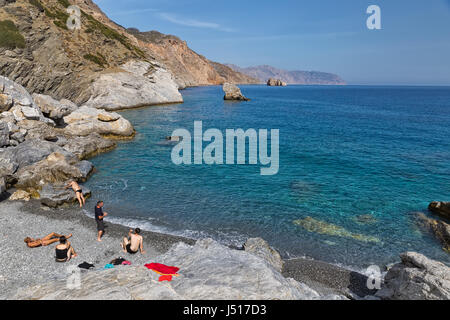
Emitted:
<point x="344" y="152"/>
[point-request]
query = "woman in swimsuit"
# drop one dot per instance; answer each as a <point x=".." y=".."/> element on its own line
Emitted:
<point x="46" y="241"/>
<point x="78" y="192"/>
<point x="64" y="250"/>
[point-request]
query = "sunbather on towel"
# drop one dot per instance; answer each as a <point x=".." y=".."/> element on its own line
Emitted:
<point x="133" y="243"/>
<point x="45" y="241"/>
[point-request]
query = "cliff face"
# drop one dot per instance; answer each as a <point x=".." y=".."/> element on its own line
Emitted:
<point x="188" y="67"/>
<point x="58" y="61"/>
<point x="263" y="73"/>
<point x="99" y="61"/>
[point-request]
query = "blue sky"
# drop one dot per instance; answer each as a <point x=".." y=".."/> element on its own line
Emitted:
<point x="413" y="46"/>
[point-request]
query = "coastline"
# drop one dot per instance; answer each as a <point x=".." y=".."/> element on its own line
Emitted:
<point x="23" y="267"/>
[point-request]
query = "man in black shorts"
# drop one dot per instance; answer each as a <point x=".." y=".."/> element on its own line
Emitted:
<point x="99" y="215"/>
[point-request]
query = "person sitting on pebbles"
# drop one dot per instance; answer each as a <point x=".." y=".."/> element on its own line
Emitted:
<point x="78" y="192"/>
<point x="45" y="241"/>
<point x="133" y="243"/>
<point x="64" y="250"/>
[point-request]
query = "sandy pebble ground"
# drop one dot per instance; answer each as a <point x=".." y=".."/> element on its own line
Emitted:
<point x="21" y="266"/>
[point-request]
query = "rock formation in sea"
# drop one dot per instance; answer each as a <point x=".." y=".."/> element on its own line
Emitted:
<point x="438" y="227"/>
<point x="416" y="278"/>
<point x="232" y="92"/>
<point x="276" y="83"/>
<point x="262" y="73"/>
<point x="440" y="208"/>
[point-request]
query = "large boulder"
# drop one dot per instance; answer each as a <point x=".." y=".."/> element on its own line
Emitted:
<point x="26" y="154"/>
<point x="208" y="270"/>
<point x="135" y="84"/>
<point x="18" y="94"/>
<point x="17" y="100"/>
<point x="86" y="120"/>
<point x="55" y="195"/>
<point x="55" y="110"/>
<point x="54" y="168"/>
<point x="261" y="248"/>
<point x="276" y="83"/>
<point x="20" y="195"/>
<point x="416" y="278"/>
<point x="441" y="208"/>
<point x="232" y="92"/>
<point x="88" y="146"/>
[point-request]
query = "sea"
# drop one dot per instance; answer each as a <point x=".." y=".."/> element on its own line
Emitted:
<point x="357" y="166"/>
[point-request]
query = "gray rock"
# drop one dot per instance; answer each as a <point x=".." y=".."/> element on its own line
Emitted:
<point x="138" y="84"/>
<point x="55" y="195"/>
<point x="261" y="248"/>
<point x="31" y="113"/>
<point x="6" y="102"/>
<point x="232" y="92"/>
<point x="19" y="94"/>
<point x="87" y="120"/>
<point x="2" y="185"/>
<point x="86" y="168"/>
<point x="88" y="146"/>
<point x="29" y="152"/>
<point x="18" y="136"/>
<point x="416" y="278"/>
<point x="276" y="83"/>
<point x="53" y="169"/>
<point x="4" y="135"/>
<point x="56" y="110"/>
<point x="441" y="208"/>
<point x="208" y="270"/>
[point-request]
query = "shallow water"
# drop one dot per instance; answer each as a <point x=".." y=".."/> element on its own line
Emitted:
<point x="380" y="152"/>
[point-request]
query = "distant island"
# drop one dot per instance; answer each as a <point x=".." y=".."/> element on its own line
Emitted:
<point x="265" y="72"/>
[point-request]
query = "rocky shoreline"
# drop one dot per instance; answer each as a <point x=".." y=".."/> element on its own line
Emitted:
<point x="46" y="142"/>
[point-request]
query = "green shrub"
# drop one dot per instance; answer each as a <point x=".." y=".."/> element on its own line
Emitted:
<point x="64" y="3"/>
<point x="10" y="36"/>
<point x="98" y="59"/>
<point x="37" y="4"/>
<point x="59" y="17"/>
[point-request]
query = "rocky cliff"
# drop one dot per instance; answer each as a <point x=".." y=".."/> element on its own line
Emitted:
<point x="188" y="67"/>
<point x="100" y="64"/>
<point x="265" y="72"/>
<point x="61" y="62"/>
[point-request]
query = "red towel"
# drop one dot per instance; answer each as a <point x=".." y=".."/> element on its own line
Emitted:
<point x="165" y="278"/>
<point x="162" y="269"/>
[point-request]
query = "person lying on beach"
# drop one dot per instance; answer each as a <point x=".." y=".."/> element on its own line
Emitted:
<point x="133" y="243"/>
<point x="64" y="250"/>
<point x="78" y="192"/>
<point x="45" y="241"/>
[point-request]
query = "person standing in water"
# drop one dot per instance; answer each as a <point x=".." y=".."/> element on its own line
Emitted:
<point x="78" y="192"/>
<point x="99" y="216"/>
